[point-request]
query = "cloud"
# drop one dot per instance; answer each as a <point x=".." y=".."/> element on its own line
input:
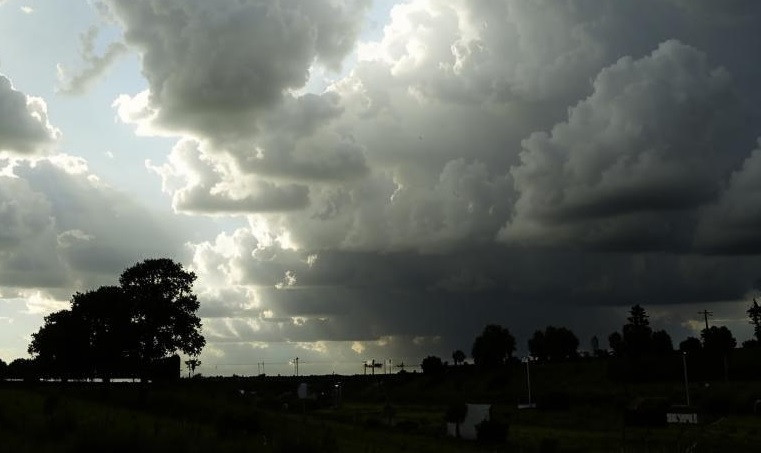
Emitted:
<point x="24" y="126"/>
<point x="502" y="161"/>
<point x="64" y="231"/>
<point x="95" y="65"/>
<point x="200" y="184"/>
<point x="633" y="159"/>
<point x="214" y="69"/>
<point x="731" y="224"/>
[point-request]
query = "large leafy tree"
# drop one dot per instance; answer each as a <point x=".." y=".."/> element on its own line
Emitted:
<point x="117" y="328"/>
<point x="106" y="314"/>
<point x="691" y="345"/>
<point x="163" y="309"/>
<point x="62" y="345"/>
<point x="661" y="343"/>
<point x="718" y="340"/>
<point x="493" y="346"/>
<point x="458" y="357"/>
<point x="616" y="342"/>
<point x="637" y="337"/>
<point x="432" y="365"/>
<point x="555" y="343"/>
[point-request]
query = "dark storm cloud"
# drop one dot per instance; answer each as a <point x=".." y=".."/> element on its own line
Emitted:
<point x="652" y="142"/>
<point x="502" y="161"/>
<point x="732" y="224"/>
<point x="365" y="295"/>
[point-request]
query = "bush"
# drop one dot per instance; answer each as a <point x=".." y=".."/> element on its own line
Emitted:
<point x="554" y="401"/>
<point x="491" y="431"/>
<point x="407" y="426"/>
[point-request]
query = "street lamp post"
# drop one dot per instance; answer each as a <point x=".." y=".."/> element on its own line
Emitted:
<point x="686" y="382"/>
<point x="528" y="378"/>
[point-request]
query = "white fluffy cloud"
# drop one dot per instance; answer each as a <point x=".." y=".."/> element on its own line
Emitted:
<point x="94" y="65"/>
<point x="24" y="126"/>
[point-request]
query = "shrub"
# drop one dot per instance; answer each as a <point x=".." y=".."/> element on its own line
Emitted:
<point x="491" y="431"/>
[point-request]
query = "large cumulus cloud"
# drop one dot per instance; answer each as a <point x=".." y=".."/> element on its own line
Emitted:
<point x="24" y="125"/>
<point x="480" y="161"/>
<point x="65" y="231"/>
<point x="654" y="141"/>
<point x="214" y="68"/>
<point x="731" y="224"/>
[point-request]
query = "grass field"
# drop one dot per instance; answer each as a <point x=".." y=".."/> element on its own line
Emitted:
<point x="581" y="410"/>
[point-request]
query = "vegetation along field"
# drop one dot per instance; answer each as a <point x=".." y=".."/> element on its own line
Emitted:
<point x="580" y="407"/>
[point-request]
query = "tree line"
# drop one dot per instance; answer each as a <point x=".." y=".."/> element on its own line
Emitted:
<point x="124" y="330"/>
<point x="495" y="346"/>
<point x="129" y="330"/>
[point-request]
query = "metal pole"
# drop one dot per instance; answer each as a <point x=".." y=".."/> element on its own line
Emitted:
<point x="686" y="381"/>
<point x="528" y="381"/>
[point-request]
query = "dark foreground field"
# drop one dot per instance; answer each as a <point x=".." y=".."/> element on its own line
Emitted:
<point x="581" y="409"/>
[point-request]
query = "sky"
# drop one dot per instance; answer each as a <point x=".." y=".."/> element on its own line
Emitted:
<point x="354" y="180"/>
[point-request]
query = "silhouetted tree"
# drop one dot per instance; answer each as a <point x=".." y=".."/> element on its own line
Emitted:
<point x="754" y="313"/>
<point x="164" y="309"/>
<point x="432" y="365"/>
<point x="661" y="343"/>
<point x="107" y="314"/>
<point x="192" y="364"/>
<point x="637" y="338"/>
<point x="555" y="343"/>
<point x="25" y="369"/>
<point x="691" y="344"/>
<point x="638" y="317"/>
<point x="62" y="346"/>
<point x="3" y="369"/>
<point x="637" y="333"/>
<point x="751" y="344"/>
<point x="493" y="346"/>
<point x="616" y="343"/>
<point x="458" y="357"/>
<point x="718" y="339"/>
<point x="149" y="317"/>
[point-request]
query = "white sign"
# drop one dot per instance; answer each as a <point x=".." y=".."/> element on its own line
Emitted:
<point x="682" y="418"/>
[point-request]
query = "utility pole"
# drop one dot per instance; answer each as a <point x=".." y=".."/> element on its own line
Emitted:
<point x="527" y="361"/>
<point x="706" y="314"/>
<point x="686" y="383"/>
<point x="528" y="381"/>
<point x="296" y="366"/>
